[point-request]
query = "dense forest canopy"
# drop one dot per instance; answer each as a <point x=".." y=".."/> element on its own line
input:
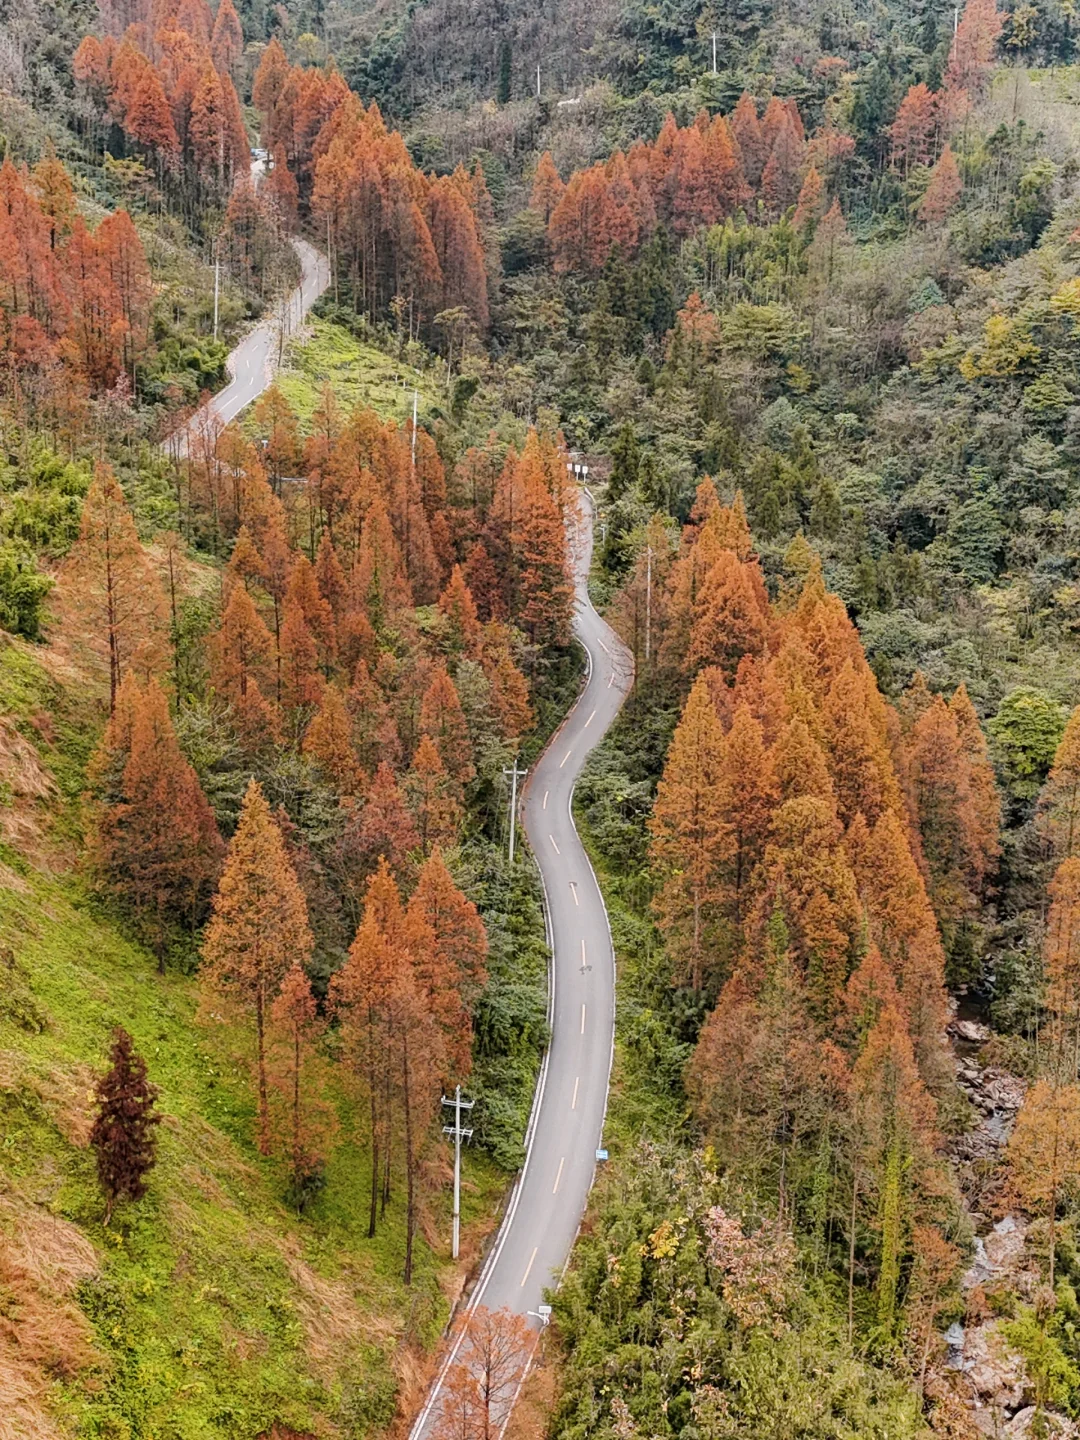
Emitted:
<point x="801" y="287"/>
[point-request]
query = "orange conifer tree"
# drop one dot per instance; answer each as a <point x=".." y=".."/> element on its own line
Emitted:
<point x="1044" y="1153"/>
<point x="385" y="826"/>
<point x="1061" y="958"/>
<point x="258" y="929"/>
<point x="1059" y="803"/>
<point x="749" y="794"/>
<point x="242" y="662"/>
<point x="457" y="604"/>
<point x="361" y="993"/>
<point x="812" y="200"/>
<point x="692" y="841"/>
<point x="157" y="843"/>
<point x="328" y="741"/>
<point x="810" y="882"/>
<point x="297" y="1024"/>
<point x="984" y="835"/>
<point x="941" y="783"/>
<point x="730" y="618"/>
<point x="943" y="191"/>
<point x="456" y="923"/>
<point x="429" y="792"/>
<point x="746" y="130"/>
<point x="547" y="187"/>
<point x="117" y="588"/>
<point x="509" y="688"/>
<point x="894" y="1125"/>
<point x="442" y="718"/>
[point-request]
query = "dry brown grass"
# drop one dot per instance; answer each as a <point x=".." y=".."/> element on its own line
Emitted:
<point x="30" y="789"/>
<point x="65" y="1092"/>
<point x="334" y="1325"/>
<point x="68" y="1095"/>
<point x="536" y="1401"/>
<point x="43" y="1336"/>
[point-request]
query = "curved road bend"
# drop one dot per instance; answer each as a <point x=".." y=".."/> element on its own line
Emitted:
<point x="251" y="365"/>
<point x="549" y="1200"/>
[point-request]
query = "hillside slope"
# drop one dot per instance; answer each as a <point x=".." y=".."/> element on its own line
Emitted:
<point x="210" y="1308"/>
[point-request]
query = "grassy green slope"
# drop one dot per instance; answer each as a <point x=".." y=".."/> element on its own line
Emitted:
<point x="209" y="1309"/>
<point x="358" y="373"/>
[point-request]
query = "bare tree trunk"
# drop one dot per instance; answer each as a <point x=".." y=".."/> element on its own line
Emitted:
<point x="410" y="1205"/>
<point x="372" y="1090"/>
<point x="264" y="1103"/>
<point x="851" y="1260"/>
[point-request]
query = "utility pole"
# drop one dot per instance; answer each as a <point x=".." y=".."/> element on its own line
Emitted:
<point x="458" y="1133"/>
<point x="515" y="775"/>
<point x="648" y="601"/>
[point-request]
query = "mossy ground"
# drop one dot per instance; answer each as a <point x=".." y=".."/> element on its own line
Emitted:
<point x="215" y="1310"/>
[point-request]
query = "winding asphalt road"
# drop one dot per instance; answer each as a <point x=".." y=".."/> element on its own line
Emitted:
<point x="252" y="364"/>
<point x="567" y="1123"/>
<point x="566" y="1129"/>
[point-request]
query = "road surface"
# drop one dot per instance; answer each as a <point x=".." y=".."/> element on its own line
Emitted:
<point x="567" y="1125"/>
<point x="252" y="364"/>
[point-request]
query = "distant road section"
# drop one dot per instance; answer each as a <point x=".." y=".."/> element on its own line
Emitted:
<point x="549" y="1200"/>
<point x="252" y="364"/>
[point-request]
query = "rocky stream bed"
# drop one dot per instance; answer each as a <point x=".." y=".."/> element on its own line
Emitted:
<point x="991" y="1377"/>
